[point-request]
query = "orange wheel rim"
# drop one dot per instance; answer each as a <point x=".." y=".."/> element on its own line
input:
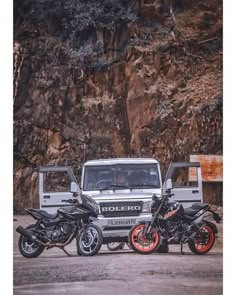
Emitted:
<point x="140" y="242"/>
<point x="204" y="247"/>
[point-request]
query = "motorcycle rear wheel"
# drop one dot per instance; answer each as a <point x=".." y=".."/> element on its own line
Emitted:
<point x="201" y="248"/>
<point x="27" y="248"/>
<point x="139" y="243"/>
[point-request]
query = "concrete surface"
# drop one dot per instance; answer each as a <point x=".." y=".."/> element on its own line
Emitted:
<point x="123" y="272"/>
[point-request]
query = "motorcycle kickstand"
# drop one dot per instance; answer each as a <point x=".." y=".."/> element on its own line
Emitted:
<point x="181" y="249"/>
<point x="63" y="249"/>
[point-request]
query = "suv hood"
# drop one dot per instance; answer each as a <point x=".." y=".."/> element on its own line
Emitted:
<point x="123" y="196"/>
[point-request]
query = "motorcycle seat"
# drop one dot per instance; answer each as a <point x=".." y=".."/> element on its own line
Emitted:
<point x="199" y="205"/>
<point x="190" y="211"/>
<point x="43" y="213"/>
<point x="196" y="207"/>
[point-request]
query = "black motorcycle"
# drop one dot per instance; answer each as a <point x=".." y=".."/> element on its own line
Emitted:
<point x="172" y="224"/>
<point x="59" y="229"/>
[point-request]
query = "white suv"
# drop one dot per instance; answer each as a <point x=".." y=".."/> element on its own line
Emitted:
<point x="122" y="187"/>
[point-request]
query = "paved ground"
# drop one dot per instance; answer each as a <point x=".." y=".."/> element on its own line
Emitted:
<point x="123" y="272"/>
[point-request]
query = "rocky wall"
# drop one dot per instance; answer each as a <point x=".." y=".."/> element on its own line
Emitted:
<point x="103" y="79"/>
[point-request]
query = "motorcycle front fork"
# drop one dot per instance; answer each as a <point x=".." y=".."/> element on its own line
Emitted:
<point x="83" y="226"/>
<point x="149" y="226"/>
<point x="147" y="229"/>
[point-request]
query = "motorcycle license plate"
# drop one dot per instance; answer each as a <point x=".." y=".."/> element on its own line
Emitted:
<point x="119" y="222"/>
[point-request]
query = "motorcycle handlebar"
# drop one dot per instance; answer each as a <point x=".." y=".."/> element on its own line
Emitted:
<point x="71" y="201"/>
<point x="169" y="195"/>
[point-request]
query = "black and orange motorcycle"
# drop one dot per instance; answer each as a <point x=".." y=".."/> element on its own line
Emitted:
<point x="172" y="224"/>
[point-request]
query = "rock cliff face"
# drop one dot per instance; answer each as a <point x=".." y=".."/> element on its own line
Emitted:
<point x="98" y="79"/>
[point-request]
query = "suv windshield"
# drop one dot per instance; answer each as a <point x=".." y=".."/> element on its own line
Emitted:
<point x="121" y="176"/>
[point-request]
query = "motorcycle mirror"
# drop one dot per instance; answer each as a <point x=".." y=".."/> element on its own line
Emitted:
<point x="154" y="197"/>
<point x="168" y="184"/>
<point x="74" y="188"/>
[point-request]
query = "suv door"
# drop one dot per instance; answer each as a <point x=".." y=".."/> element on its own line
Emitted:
<point x="187" y="182"/>
<point x="55" y="187"/>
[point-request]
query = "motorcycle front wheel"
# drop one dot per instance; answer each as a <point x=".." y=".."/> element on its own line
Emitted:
<point x="90" y="242"/>
<point x="141" y="244"/>
<point x="27" y="248"/>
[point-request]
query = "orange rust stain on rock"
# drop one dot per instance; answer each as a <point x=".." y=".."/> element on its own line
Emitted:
<point x="211" y="167"/>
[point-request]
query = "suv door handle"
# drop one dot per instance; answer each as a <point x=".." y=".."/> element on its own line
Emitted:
<point x="195" y="192"/>
<point x="47" y="197"/>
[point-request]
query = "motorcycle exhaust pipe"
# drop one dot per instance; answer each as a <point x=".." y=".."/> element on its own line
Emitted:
<point x="29" y="235"/>
<point x="26" y="233"/>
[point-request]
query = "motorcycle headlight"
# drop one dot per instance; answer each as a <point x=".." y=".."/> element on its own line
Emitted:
<point x="97" y="209"/>
<point x="147" y="206"/>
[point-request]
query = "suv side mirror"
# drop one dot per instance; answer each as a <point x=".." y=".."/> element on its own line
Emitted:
<point x="74" y="187"/>
<point x="168" y="184"/>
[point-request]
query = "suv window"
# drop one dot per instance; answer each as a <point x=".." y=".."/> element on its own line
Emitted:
<point x="121" y="176"/>
<point x="185" y="177"/>
<point x="56" y="182"/>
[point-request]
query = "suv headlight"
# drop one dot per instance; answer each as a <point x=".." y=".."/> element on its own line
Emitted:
<point x="146" y="206"/>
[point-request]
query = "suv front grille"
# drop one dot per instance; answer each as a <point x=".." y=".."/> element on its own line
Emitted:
<point x="120" y="209"/>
